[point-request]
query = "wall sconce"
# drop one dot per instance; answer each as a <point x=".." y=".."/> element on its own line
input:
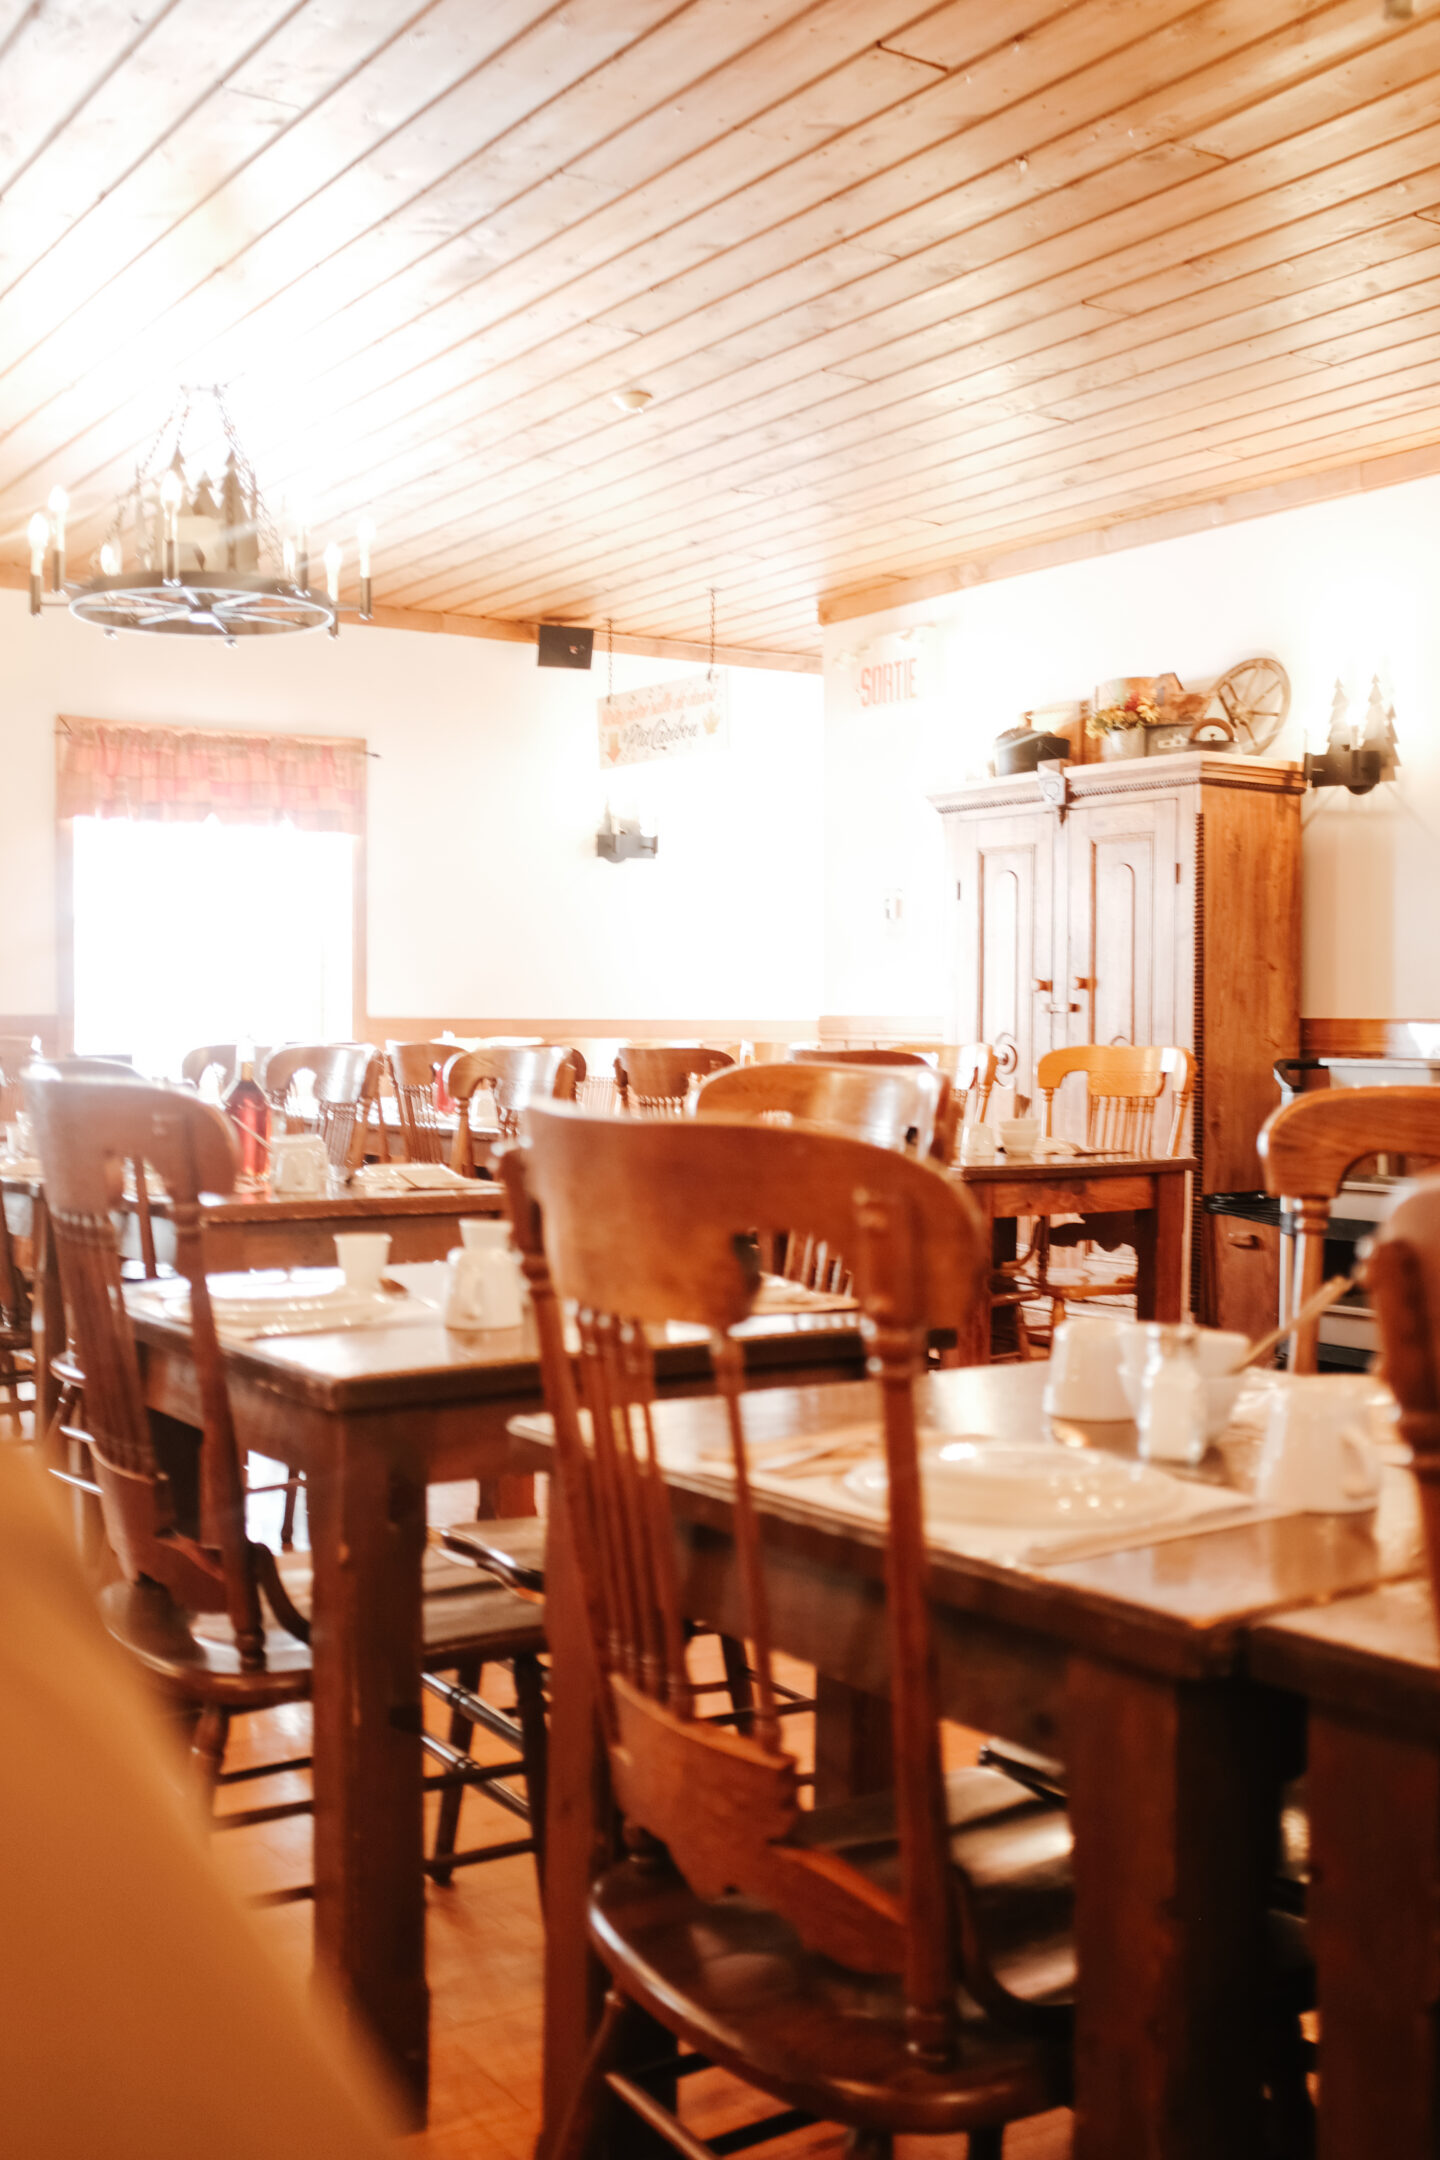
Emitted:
<point x="1356" y="758"/>
<point x="621" y="840"/>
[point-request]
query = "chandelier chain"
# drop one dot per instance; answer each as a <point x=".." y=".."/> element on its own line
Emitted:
<point x="712" y="630"/>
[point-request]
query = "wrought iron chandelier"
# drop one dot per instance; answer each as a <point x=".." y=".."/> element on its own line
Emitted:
<point x="192" y="549"/>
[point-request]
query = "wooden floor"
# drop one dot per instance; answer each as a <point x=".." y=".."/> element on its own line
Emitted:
<point x="484" y="1950"/>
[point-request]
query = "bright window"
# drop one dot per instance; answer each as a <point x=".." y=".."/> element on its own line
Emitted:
<point x="190" y="934"/>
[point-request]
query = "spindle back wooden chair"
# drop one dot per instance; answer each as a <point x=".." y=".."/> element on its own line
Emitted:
<point x="654" y="1078"/>
<point x="899" y="1106"/>
<point x="182" y="1547"/>
<point x="416" y="1071"/>
<point x="1123" y="1086"/>
<point x="636" y="1223"/>
<point x="888" y="1106"/>
<point x="16" y="1052"/>
<point x="346" y="1081"/>
<point x="819" y="1054"/>
<point x="210" y="1614"/>
<point x="1307" y="1149"/>
<point x="16" y="1355"/>
<point x="518" y="1074"/>
<point x="972" y="1069"/>
<point x="223" y="1059"/>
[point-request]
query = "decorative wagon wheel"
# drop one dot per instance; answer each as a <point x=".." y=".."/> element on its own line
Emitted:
<point x="1255" y="698"/>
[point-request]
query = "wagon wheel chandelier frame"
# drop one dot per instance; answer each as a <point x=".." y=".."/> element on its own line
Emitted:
<point x="181" y="559"/>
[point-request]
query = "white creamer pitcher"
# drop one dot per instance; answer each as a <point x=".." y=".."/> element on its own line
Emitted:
<point x="486" y="1288"/>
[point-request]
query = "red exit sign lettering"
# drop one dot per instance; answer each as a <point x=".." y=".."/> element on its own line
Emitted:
<point x="889" y="682"/>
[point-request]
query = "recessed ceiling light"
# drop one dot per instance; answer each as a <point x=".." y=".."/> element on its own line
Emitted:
<point x="631" y="400"/>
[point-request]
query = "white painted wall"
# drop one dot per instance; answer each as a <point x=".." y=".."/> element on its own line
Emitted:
<point x="1347" y="589"/>
<point x="485" y="893"/>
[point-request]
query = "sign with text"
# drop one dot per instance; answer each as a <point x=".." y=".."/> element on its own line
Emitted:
<point x="665" y="720"/>
<point x="898" y="669"/>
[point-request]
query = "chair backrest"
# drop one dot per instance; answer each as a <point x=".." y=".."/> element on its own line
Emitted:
<point x="518" y="1075"/>
<point x="1402" y="1273"/>
<point x="972" y="1068"/>
<point x="806" y="1054"/>
<point x="415" y="1068"/>
<point x="16" y="1052"/>
<point x="654" y="1078"/>
<point x="1123" y="1085"/>
<point x="641" y="1222"/>
<point x="223" y="1059"/>
<point x="87" y="1129"/>
<point x="346" y="1079"/>
<point x="1307" y="1149"/>
<point x="888" y="1106"/>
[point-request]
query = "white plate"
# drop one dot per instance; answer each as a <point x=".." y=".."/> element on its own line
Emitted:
<point x="1050" y="1488"/>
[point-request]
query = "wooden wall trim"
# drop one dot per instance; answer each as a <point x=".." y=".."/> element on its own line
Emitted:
<point x="1327" y="1037"/>
<point x="1202" y="513"/>
<point x="503" y="632"/>
<point x="383" y="1028"/>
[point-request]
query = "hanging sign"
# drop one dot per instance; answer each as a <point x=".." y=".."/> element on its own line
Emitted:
<point x="665" y="720"/>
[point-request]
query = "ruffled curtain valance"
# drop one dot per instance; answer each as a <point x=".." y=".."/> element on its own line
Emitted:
<point x="184" y="775"/>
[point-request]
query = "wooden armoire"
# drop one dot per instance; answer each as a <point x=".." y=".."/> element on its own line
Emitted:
<point x="1153" y="900"/>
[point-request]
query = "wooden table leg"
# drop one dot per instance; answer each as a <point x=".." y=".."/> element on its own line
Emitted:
<point x="1160" y="1249"/>
<point x="1172" y="1792"/>
<point x="367" y="1530"/>
<point x="1375" y="1893"/>
<point x="854" y="1742"/>
<point x="47" y="1317"/>
<point x="973" y="1335"/>
<point x="578" y="1828"/>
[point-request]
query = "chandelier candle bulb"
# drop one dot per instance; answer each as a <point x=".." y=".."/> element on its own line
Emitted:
<point x="38" y="533"/>
<point x="332" y="584"/>
<point x="58" y="505"/>
<point x="172" y="488"/>
<point x="109" y="560"/>
<point x="364" y="540"/>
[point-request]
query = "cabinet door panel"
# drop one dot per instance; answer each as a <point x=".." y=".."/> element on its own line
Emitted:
<point x="1123" y="865"/>
<point x="1007" y="938"/>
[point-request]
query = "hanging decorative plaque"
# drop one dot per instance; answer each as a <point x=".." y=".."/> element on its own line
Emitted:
<point x="665" y="720"/>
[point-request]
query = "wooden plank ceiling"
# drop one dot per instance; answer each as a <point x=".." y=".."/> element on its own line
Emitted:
<point x="907" y="287"/>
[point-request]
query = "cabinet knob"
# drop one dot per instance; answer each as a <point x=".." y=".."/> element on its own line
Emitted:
<point x="1244" y="1240"/>
<point x="1058" y="1009"/>
<point x="1041" y="982"/>
<point x="1082" y="982"/>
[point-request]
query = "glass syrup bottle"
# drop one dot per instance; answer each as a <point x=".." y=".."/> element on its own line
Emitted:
<point x="250" y="1114"/>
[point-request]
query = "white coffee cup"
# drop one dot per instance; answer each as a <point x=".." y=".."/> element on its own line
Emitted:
<point x="1084" y="1379"/>
<point x="298" y="1163"/>
<point x="362" y="1255"/>
<point x="977" y="1143"/>
<point x="1018" y="1136"/>
<point x="1317" y="1457"/>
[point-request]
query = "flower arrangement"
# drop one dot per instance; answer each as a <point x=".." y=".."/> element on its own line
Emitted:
<point x="1135" y="712"/>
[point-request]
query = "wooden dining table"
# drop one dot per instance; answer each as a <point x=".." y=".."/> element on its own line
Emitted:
<point x="1368" y="1670"/>
<point x="1153" y="1190"/>
<point x="1129" y="1666"/>
<point x="254" y="1229"/>
<point x="373" y="1416"/>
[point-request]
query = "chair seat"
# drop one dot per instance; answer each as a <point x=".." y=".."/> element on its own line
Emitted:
<point x="194" y="1654"/>
<point x="511" y="1548"/>
<point x="1014" y="1847"/>
<point x="734" y="1980"/>
<point x="166" y="1641"/>
<point x="463" y="1616"/>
